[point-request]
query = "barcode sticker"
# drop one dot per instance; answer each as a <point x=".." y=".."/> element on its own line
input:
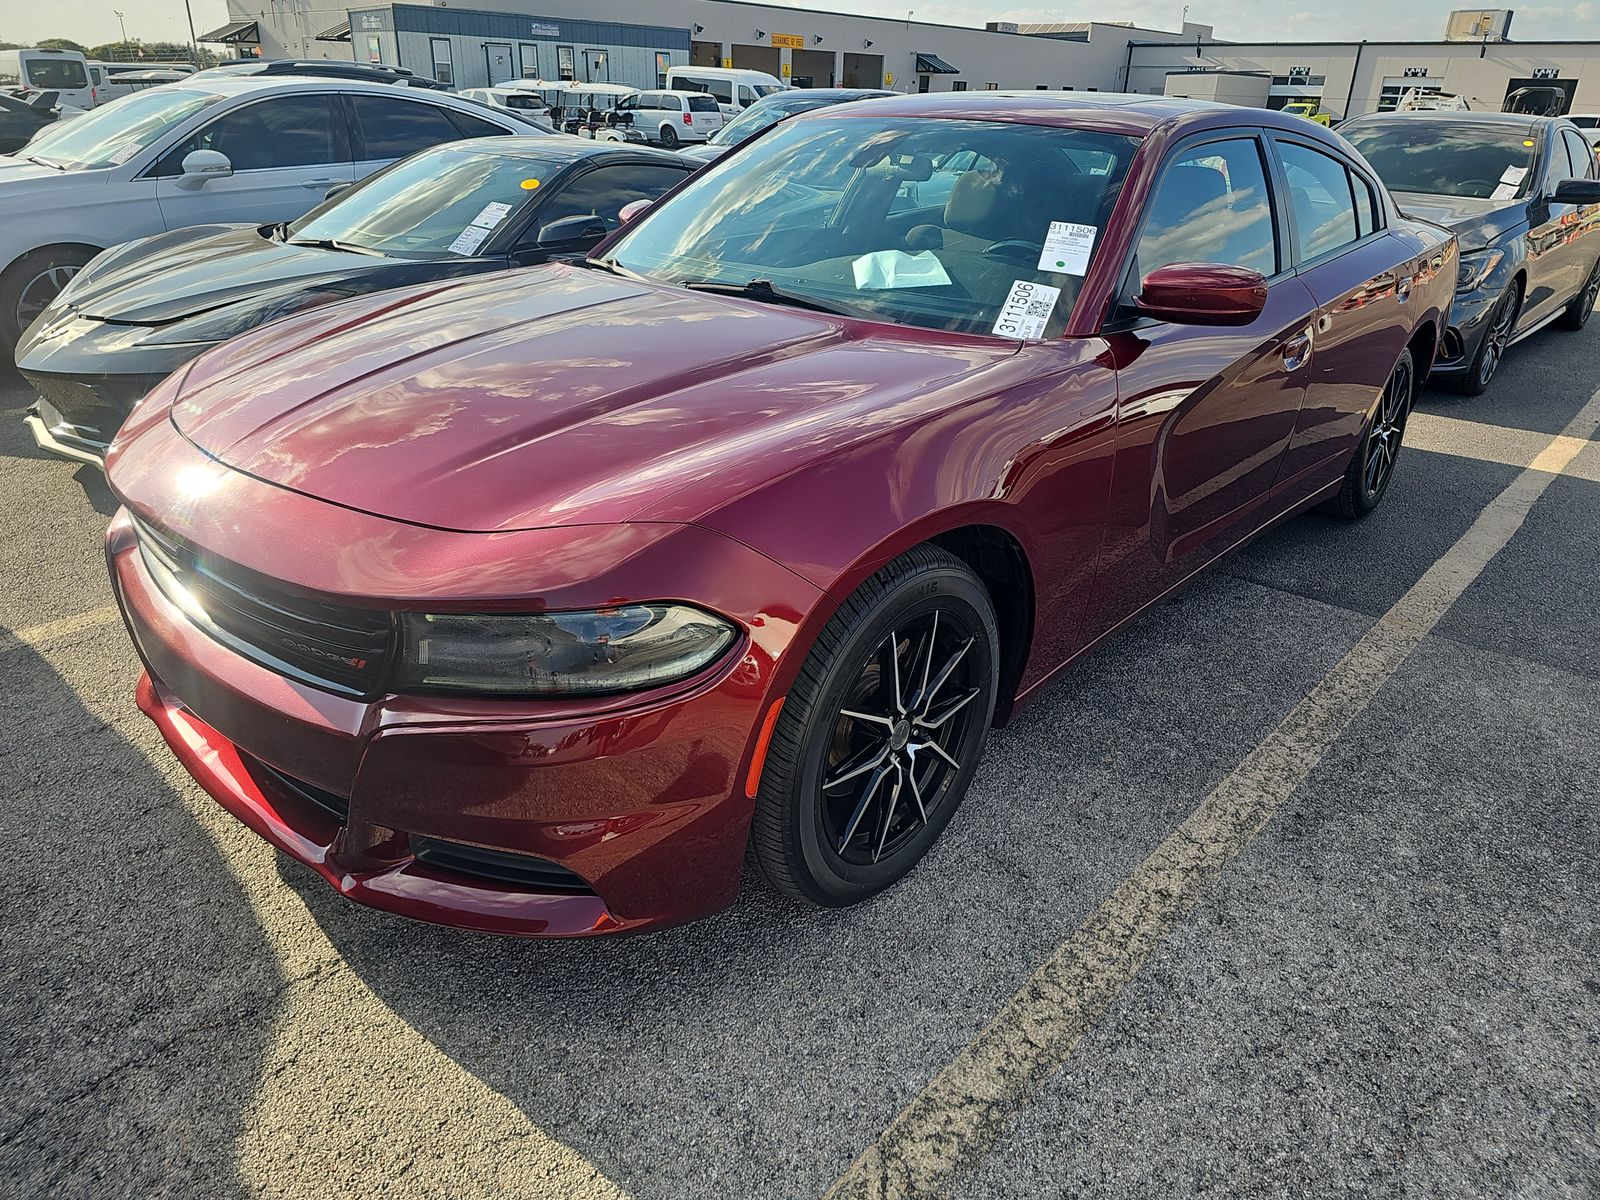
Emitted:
<point x="1026" y="311"/>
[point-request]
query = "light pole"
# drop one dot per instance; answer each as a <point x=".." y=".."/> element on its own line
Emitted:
<point x="123" y="26"/>
<point x="194" y="46"/>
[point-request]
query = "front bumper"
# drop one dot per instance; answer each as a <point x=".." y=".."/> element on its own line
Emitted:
<point x="612" y="818"/>
<point x="1469" y="325"/>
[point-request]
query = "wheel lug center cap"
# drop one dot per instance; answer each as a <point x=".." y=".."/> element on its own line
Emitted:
<point x="900" y="735"/>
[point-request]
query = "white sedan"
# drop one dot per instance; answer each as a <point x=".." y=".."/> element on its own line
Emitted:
<point x="193" y="153"/>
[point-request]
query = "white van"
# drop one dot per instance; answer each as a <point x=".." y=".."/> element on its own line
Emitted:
<point x="734" y="88"/>
<point x="108" y="77"/>
<point x="673" y="118"/>
<point x="65" y="72"/>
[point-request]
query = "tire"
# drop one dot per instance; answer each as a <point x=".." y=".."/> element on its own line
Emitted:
<point x="669" y="137"/>
<point x="848" y="804"/>
<point x="32" y="282"/>
<point x="1366" y="479"/>
<point x="1474" y="381"/>
<point x="1576" y="314"/>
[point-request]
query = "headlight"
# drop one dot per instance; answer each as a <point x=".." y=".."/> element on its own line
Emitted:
<point x="562" y="653"/>
<point x="234" y="319"/>
<point x="1475" y="267"/>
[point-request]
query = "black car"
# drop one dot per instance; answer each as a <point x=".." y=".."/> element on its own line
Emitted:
<point x="22" y="117"/>
<point x="321" y="68"/>
<point x="140" y="311"/>
<point x="1521" y="195"/>
<point x="768" y="111"/>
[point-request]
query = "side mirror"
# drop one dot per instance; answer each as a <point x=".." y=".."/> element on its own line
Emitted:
<point x="571" y="229"/>
<point x="200" y="167"/>
<point x="1577" y="191"/>
<point x="633" y="209"/>
<point x="1203" y="294"/>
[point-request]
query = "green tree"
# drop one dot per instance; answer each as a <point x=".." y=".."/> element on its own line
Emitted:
<point x="61" y="44"/>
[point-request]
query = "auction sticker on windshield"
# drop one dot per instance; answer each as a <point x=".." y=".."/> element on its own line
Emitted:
<point x="492" y="215"/>
<point x="471" y="238"/>
<point x="1026" y="311"/>
<point x="1067" y="247"/>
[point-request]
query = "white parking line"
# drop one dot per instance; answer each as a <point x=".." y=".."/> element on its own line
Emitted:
<point x="1503" y="444"/>
<point x="948" y="1128"/>
<point x="36" y="635"/>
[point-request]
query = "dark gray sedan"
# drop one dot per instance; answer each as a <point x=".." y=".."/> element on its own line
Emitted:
<point x="140" y="311"/>
<point x="1521" y="195"/>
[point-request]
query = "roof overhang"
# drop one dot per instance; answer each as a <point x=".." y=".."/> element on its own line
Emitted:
<point x="234" y="31"/>
<point x="339" y="33"/>
<point x="932" y="64"/>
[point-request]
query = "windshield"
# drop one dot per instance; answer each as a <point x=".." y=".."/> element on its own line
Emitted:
<point x="437" y="203"/>
<point x="967" y="226"/>
<point x="762" y="116"/>
<point x="1449" y="158"/>
<point x="113" y="133"/>
<point x="767" y="89"/>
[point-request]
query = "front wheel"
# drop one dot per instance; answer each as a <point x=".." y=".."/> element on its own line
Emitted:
<point x="1576" y="314"/>
<point x="29" y="285"/>
<point x="1474" y="381"/>
<point x="879" y="737"/>
<point x="1372" y="466"/>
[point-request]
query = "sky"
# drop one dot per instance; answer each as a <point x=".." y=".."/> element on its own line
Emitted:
<point x="94" y="21"/>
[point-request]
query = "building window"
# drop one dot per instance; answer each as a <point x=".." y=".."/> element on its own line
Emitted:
<point x="566" y="59"/>
<point x="1041" y="87"/>
<point x="443" y="70"/>
<point x="663" y="61"/>
<point x="922" y="83"/>
<point x="529" y="60"/>
<point x="991" y="87"/>
<point x="960" y="85"/>
<point x="374" y="48"/>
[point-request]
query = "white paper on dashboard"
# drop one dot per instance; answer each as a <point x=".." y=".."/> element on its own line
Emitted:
<point x="471" y="238"/>
<point x="1514" y="175"/>
<point x="897" y="269"/>
<point x="1067" y="248"/>
<point x="492" y="215"/>
<point x="1506" y="191"/>
<point x="1026" y="311"/>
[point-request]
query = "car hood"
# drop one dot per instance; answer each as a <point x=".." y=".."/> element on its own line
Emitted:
<point x="171" y="276"/>
<point x="557" y="396"/>
<point x="22" y="181"/>
<point x="1476" y="223"/>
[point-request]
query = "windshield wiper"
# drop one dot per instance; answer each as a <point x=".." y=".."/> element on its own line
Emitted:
<point x="762" y="289"/>
<point x="43" y="162"/>
<point x="331" y="244"/>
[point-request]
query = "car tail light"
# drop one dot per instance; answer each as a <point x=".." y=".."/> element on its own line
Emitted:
<point x="688" y="118"/>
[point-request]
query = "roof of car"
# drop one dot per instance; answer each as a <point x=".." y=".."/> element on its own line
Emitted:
<point x="1460" y="117"/>
<point x="233" y="85"/>
<point x="1110" y="112"/>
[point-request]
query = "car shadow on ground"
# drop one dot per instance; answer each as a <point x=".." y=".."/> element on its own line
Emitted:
<point x="124" y="935"/>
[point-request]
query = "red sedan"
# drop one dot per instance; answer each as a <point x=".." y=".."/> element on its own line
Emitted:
<point x="527" y="604"/>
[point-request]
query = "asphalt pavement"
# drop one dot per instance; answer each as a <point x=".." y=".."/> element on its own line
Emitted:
<point x="1389" y="984"/>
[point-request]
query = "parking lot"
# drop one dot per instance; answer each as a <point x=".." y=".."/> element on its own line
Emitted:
<point x="1289" y="889"/>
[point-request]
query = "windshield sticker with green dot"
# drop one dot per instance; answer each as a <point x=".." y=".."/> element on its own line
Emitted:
<point x="896" y="269"/>
<point x="492" y="215"/>
<point x="1067" y="248"/>
<point x="1026" y="311"/>
<point x="471" y="238"/>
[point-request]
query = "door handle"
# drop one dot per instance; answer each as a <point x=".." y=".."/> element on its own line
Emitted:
<point x="1296" y="350"/>
<point x="318" y="183"/>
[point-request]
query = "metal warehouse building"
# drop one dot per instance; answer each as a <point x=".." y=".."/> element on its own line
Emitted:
<point x="623" y="41"/>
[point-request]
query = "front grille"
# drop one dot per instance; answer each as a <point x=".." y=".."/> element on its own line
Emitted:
<point x="329" y="802"/>
<point x="95" y="405"/>
<point x="343" y="650"/>
<point x="522" y="869"/>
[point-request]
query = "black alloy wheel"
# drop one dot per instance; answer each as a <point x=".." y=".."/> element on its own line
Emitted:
<point x="880" y="734"/>
<point x="1496" y="341"/>
<point x="1576" y="314"/>
<point x="1372" y="466"/>
<point x="31" y="283"/>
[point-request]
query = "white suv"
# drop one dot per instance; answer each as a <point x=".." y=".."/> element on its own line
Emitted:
<point x="672" y="118"/>
<point x="198" y="153"/>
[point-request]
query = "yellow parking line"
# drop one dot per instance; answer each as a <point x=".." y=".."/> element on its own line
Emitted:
<point x="36" y="635"/>
<point x="1509" y="446"/>
<point x="946" y="1130"/>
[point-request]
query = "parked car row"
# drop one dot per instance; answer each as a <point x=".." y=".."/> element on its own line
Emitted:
<point x="531" y="600"/>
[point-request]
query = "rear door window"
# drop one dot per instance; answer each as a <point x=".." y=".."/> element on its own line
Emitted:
<point x="393" y="128"/>
<point x="702" y="104"/>
<point x="605" y="191"/>
<point x="59" y="74"/>
<point x="1320" y="196"/>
